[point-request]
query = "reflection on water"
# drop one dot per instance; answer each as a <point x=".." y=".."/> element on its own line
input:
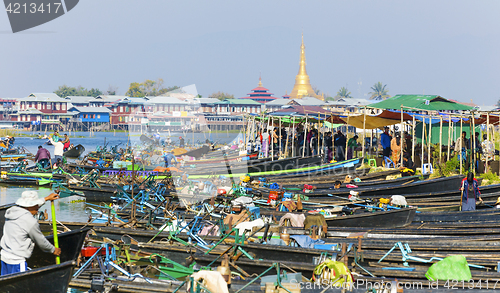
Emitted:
<point x="67" y="209"/>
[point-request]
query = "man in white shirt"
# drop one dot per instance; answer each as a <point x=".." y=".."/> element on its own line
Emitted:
<point x="58" y="149"/>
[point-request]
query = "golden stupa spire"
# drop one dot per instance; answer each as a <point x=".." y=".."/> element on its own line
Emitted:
<point x="260" y="80"/>
<point x="302" y="87"/>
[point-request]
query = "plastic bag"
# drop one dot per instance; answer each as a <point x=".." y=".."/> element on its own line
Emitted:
<point x="453" y="267"/>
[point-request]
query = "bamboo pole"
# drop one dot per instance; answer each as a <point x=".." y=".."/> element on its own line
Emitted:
<point x="461" y="143"/>
<point x="473" y="145"/>
<point x="450" y="125"/>
<point x="440" y="137"/>
<point x="305" y="135"/>
<point x="429" y="141"/>
<point x="413" y="139"/>
<point x="347" y="137"/>
<point x="272" y="139"/>
<point x="317" y="139"/>
<point x="402" y="139"/>
<point x="280" y="148"/>
<point x="364" y="125"/>
<point x="488" y="138"/>
<point x="293" y="137"/>
<point x="423" y="137"/>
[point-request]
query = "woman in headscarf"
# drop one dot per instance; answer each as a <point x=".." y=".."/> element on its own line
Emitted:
<point x="470" y="193"/>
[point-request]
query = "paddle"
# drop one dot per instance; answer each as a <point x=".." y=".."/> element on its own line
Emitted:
<point x="54" y="229"/>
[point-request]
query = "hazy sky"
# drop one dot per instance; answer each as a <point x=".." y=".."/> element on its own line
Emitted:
<point x="449" y="48"/>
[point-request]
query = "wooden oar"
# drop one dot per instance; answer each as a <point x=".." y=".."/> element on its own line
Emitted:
<point x="54" y="228"/>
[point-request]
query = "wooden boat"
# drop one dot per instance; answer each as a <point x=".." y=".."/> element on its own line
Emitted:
<point x="75" y="152"/>
<point x="146" y="140"/>
<point x="14" y="157"/>
<point x="333" y="168"/>
<point x="49" y="279"/>
<point x="379" y="219"/>
<point x="198" y="153"/>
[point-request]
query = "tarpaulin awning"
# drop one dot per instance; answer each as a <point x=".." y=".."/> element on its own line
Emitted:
<point x="383" y="119"/>
<point x="423" y="102"/>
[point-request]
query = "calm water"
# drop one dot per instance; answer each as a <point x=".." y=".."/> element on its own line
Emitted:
<point x="71" y="209"/>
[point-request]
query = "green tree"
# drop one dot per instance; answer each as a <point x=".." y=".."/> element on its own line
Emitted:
<point x="111" y="90"/>
<point x="135" y="90"/>
<point x="63" y="91"/>
<point x="221" y="96"/>
<point x="151" y="88"/>
<point x="343" y="93"/>
<point x="379" y="92"/>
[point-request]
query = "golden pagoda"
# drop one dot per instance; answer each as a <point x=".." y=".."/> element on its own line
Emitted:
<point x="302" y="87"/>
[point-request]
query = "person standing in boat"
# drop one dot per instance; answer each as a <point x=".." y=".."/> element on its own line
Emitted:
<point x="352" y="144"/>
<point x="58" y="149"/>
<point x="470" y="193"/>
<point x="21" y="232"/>
<point x="66" y="142"/>
<point x="181" y="142"/>
<point x="168" y="159"/>
<point x="396" y="149"/>
<point x="385" y="141"/>
<point x="42" y="156"/>
<point x="461" y="147"/>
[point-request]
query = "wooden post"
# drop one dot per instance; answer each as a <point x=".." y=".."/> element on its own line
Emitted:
<point x="319" y="126"/>
<point x="279" y="136"/>
<point x="461" y="142"/>
<point x="440" y="137"/>
<point x="272" y="139"/>
<point x="305" y="134"/>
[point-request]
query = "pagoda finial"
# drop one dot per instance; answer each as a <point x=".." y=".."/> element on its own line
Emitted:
<point x="302" y="87"/>
<point x="260" y="79"/>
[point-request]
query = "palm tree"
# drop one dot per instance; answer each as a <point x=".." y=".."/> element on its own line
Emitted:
<point x="379" y="92"/>
<point x="343" y="93"/>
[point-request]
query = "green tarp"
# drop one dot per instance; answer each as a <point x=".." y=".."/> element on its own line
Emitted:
<point x="423" y="102"/>
<point x="435" y="132"/>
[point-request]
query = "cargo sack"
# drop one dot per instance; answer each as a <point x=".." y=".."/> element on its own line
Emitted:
<point x="451" y="268"/>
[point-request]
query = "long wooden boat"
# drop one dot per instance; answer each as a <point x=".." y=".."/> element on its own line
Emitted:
<point x="146" y="140"/>
<point x="199" y="152"/>
<point x="49" y="279"/>
<point x="379" y="219"/>
<point x="333" y="168"/>
<point x="74" y="152"/>
<point x="15" y="157"/>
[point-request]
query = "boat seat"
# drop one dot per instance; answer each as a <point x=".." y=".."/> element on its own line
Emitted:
<point x="372" y="163"/>
<point x="427" y="169"/>
<point x="388" y="162"/>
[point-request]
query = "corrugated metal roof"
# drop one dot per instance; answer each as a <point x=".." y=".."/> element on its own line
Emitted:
<point x="111" y="98"/>
<point x="91" y="109"/>
<point x="350" y="102"/>
<point x="79" y="99"/>
<point x="43" y="97"/>
<point x="237" y="102"/>
<point x="423" y="102"/>
<point x="166" y="100"/>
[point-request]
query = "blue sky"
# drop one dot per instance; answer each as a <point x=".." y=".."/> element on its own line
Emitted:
<point x="448" y="48"/>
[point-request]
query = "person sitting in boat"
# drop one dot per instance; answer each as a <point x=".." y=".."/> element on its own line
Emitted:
<point x="55" y="136"/>
<point x="337" y="184"/>
<point x="408" y="168"/>
<point x="66" y="142"/>
<point x="42" y="157"/>
<point x="168" y="159"/>
<point x="57" y="164"/>
<point x="470" y="193"/>
<point x="21" y="232"/>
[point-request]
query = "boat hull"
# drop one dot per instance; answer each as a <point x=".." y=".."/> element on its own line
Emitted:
<point x="51" y="279"/>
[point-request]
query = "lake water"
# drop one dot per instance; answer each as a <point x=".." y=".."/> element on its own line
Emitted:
<point x="72" y="209"/>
